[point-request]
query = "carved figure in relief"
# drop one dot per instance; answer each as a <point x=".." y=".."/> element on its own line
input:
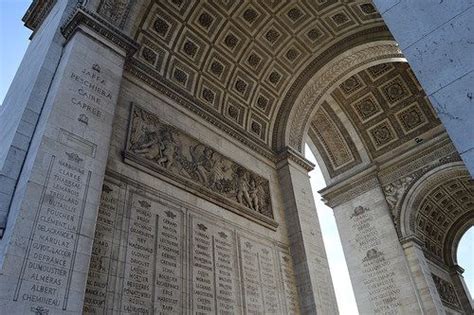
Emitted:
<point x="243" y="188"/>
<point x="179" y="154"/>
<point x="169" y="149"/>
<point x="203" y="160"/>
<point x="150" y="149"/>
<point x="394" y="192"/>
<point x="254" y="195"/>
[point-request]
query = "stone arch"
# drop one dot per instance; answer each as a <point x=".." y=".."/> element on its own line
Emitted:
<point x="310" y="97"/>
<point x="418" y="191"/>
<point x="436" y="211"/>
<point x="454" y="235"/>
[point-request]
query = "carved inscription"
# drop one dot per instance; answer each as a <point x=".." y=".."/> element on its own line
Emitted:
<point x="140" y="260"/>
<point x="153" y="265"/>
<point x="90" y="94"/>
<point x="260" y="278"/>
<point x="95" y="301"/>
<point x="163" y="148"/>
<point x="289" y="288"/>
<point x="379" y="278"/>
<point x="46" y="271"/>
<point x="169" y="277"/>
<point x="213" y="269"/>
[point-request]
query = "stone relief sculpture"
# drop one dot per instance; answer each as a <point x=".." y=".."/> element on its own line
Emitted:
<point x="394" y="191"/>
<point x="446" y="291"/>
<point x="115" y="11"/>
<point x="183" y="157"/>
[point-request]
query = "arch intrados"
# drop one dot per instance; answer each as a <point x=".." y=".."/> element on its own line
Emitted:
<point x="418" y="191"/>
<point x="326" y="79"/>
<point x="455" y="233"/>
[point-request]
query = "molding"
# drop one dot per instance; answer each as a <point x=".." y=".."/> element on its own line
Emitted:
<point x="115" y="11"/>
<point x="37" y="13"/>
<point x="339" y="193"/>
<point x="285" y="109"/>
<point x="325" y="78"/>
<point x="172" y="155"/>
<point x="81" y="16"/>
<point x="142" y="72"/>
<point x="293" y="155"/>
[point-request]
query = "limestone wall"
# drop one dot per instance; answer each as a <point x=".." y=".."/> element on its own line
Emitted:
<point x="165" y="249"/>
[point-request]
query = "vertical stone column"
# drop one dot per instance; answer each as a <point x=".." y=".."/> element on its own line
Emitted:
<point x="462" y="290"/>
<point x="26" y="95"/>
<point x="421" y="275"/>
<point x="377" y="265"/>
<point x="311" y="267"/>
<point x="436" y="38"/>
<point x="47" y="245"/>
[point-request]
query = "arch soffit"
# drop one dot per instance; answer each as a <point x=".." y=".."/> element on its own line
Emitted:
<point x="420" y="189"/>
<point x="324" y="80"/>
<point x="454" y="235"/>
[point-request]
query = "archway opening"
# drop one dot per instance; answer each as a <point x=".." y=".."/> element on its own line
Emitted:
<point x="465" y="257"/>
<point x="346" y="302"/>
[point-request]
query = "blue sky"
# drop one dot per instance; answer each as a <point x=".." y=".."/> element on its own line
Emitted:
<point x="13" y="43"/>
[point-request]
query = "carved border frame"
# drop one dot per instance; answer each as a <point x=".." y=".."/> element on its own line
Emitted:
<point x="342" y="66"/>
<point x="140" y="163"/>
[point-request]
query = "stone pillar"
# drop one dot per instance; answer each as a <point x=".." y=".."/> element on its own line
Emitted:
<point x="48" y="241"/>
<point x="421" y="275"/>
<point x="377" y="265"/>
<point x="24" y="101"/>
<point x="462" y="290"/>
<point x="437" y="39"/>
<point x="311" y="267"/>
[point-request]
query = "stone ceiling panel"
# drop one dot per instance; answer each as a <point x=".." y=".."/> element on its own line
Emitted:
<point x="387" y="106"/>
<point x="236" y="60"/>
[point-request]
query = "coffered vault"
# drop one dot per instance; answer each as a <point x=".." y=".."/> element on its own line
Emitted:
<point x="152" y="160"/>
<point x="242" y="63"/>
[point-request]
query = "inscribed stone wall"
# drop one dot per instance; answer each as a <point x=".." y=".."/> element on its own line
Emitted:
<point x="160" y="254"/>
<point x="155" y="254"/>
<point x="377" y="265"/>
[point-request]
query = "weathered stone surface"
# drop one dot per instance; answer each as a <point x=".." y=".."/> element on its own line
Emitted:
<point x="197" y="111"/>
<point x="227" y="270"/>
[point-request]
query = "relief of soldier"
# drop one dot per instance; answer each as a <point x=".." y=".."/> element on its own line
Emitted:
<point x="182" y="155"/>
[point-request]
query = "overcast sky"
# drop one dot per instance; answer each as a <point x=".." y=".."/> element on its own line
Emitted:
<point x="13" y="43"/>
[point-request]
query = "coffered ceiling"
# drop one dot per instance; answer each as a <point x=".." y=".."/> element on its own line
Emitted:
<point x="440" y="209"/>
<point x="236" y="60"/>
<point x="386" y="107"/>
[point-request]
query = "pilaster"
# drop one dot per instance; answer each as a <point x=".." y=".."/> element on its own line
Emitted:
<point x="462" y="290"/>
<point x="377" y="265"/>
<point x="48" y="241"/>
<point x="311" y="267"/>
<point x="421" y="274"/>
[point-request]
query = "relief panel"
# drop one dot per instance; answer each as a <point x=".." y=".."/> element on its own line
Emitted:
<point x="157" y="147"/>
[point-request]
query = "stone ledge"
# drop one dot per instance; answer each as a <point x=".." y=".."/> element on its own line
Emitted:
<point x="96" y="23"/>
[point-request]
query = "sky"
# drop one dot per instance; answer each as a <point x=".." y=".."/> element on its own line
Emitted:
<point x="13" y="40"/>
<point x="13" y="43"/>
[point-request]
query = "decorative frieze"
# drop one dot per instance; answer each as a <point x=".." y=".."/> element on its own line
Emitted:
<point x="161" y="148"/>
<point x="115" y="11"/>
<point x="446" y="291"/>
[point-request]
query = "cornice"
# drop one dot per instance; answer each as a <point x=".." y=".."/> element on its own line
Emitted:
<point x="350" y="188"/>
<point x="82" y="16"/>
<point x="37" y="12"/>
<point x="293" y="155"/>
<point x="139" y="70"/>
